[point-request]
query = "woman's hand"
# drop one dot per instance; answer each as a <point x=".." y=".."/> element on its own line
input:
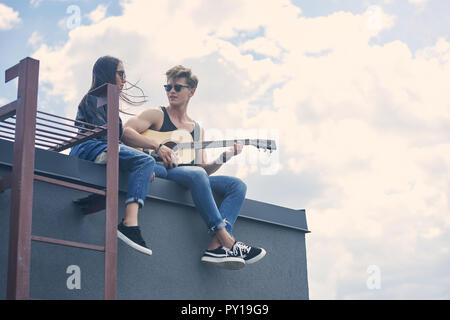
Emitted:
<point x="169" y="157"/>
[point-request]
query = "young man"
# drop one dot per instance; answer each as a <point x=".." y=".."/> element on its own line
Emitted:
<point x="223" y="250"/>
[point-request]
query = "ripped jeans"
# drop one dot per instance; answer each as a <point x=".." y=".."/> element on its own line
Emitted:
<point x="202" y="186"/>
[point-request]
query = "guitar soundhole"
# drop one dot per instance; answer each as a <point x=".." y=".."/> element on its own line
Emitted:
<point x="170" y="144"/>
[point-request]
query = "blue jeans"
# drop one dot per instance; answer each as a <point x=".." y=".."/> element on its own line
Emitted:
<point x="139" y="164"/>
<point x="202" y="186"/>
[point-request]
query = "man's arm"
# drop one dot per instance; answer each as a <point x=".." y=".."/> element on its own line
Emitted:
<point x="138" y="124"/>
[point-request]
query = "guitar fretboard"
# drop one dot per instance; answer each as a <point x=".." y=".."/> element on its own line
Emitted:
<point x="269" y="144"/>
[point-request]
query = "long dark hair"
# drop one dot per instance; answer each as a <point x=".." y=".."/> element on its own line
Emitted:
<point x="104" y="71"/>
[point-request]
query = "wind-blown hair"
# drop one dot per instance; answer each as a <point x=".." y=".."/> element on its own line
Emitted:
<point x="104" y="71"/>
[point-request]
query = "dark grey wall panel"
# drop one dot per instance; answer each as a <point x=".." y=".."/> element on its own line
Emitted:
<point x="75" y="170"/>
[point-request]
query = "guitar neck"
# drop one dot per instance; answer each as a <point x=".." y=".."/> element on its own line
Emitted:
<point x="217" y="144"/>
<point x="181" y="140"/>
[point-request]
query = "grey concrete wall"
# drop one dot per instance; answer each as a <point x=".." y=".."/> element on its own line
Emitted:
<point x="177" y="236"/>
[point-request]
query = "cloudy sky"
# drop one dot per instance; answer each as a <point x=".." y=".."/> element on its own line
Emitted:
<point x="356" y="94"/>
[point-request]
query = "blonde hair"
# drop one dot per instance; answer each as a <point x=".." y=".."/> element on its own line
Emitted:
<point x="183" y="72"/>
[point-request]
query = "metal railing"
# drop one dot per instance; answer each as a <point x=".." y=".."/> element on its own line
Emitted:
<point x="29" y="128"/>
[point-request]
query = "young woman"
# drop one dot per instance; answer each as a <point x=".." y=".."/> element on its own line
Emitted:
<point x="141" y="166"/>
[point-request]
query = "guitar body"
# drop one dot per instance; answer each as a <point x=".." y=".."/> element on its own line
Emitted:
<point x="171" y="139"/>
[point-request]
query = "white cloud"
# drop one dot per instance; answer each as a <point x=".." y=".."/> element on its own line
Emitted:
<point x="419" y="5"/>
<point x="98" y="13"/>
<point x="35" y="39"/>
<point x="35" y="3"/>
<point x="418" y="2"/>
<point x="8" y="17"/>
<point x="367" y="123"/>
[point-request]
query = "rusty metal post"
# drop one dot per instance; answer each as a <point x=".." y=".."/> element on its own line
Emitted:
<point x="112" y="192"/>
<point x="18" y="284"/>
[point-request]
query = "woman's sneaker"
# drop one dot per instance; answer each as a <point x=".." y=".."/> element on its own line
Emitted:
<point x="132" y="237"/>
<point x="249" y="254"/>
<point x="224" y="258"/>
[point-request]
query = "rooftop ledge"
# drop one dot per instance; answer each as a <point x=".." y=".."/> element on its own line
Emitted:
<point x="73" y="169"/>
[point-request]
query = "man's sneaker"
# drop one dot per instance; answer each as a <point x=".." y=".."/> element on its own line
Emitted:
<point x="224" y="258"/>
<point x="132" y="237"/>
<point x="249" y="254"/>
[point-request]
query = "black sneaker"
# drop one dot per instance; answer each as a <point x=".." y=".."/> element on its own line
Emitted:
<point x="224" y="258"/>
<point x="132" y="237"/>
<point x="249" y="254"/>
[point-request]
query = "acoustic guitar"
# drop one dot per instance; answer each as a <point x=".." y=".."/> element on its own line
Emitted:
<point x="183" y="145"/>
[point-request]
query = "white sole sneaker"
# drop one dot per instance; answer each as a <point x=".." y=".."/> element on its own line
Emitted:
<point x="257" y="258"/>
<point x="133" y="244"/>
<point x="230" y="263"/>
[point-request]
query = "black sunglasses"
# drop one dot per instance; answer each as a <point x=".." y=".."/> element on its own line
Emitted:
<point x="177" y="87"/>
<point x="121" y="74"/>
